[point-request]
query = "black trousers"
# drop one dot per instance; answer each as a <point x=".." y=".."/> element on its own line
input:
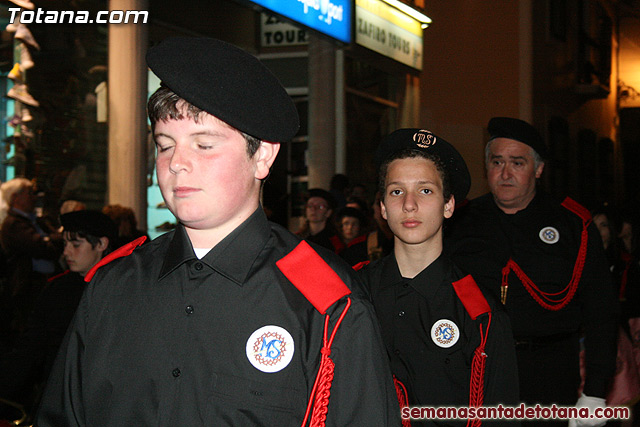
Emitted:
<point x="549" y="372"/>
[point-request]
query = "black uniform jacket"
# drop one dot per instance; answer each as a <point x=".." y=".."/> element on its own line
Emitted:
<point x="32" y="355"/>
<point x="482" y="240"/>
<point x="160" y="339"/>
<point x="433" y="375"/>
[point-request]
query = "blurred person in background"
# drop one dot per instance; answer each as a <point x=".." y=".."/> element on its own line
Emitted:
<point x="71" y="205"/>
<point x="31" y="255"/>
<point x="24" y="368"/>
<point x="352" y="224"/>
<point x="380" y="240"/>
<point x="318" y="226"/>
<point x="126" y="222"/>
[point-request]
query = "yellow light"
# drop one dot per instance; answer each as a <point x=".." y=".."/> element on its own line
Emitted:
<point x="424" y="19"/>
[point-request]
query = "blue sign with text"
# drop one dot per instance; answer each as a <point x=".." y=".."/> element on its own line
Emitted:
<point x="330" y="17"/>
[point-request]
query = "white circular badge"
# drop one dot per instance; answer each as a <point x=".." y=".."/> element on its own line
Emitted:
<point x="445" y="333"/>
<point x="270" y="348"/>
<point x="549" y="235"/>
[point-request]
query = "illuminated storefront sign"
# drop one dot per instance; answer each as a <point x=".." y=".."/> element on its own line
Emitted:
<point x="388" y="31"/>
<point x="274" y="32"/>
<point x="330" y="17"/>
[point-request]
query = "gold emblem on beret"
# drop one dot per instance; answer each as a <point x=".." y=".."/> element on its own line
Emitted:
<point x="424" y="138"/>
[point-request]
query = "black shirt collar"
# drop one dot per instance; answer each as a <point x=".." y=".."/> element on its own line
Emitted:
<point x="233" y="257"/>
<point x="426" y="282"/>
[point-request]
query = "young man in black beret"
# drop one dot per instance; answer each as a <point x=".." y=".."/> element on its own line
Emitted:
<point x="449" y="345"/>
<point x="544" y="259"/>
<point x="228" y="320"/>
<point x="87" y="237"/>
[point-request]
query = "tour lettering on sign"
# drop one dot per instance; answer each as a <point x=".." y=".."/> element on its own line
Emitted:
<point x="276" y="32"/>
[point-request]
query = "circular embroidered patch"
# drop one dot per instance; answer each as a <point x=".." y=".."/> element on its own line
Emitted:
<point x="424" y="138"/>
<point x="445" y="333"/>
<point x="270" y="348"/>
<point x="549" y="235"/>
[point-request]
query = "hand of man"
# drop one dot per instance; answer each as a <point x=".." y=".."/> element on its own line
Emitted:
<point x="592" y="403"/>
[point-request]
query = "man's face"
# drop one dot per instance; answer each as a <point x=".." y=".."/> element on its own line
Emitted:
<point x="512" y="174"/>
<point x="413" y="203"/>
<point x="206" y="176"/>
<point x="317" y="210"/>
<point x="25" y="199"/>
<point x="79" y="254"/>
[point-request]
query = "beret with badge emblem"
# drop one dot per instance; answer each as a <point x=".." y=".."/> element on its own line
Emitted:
<point x="228" y="83"/>
<point x="425" y="141"/>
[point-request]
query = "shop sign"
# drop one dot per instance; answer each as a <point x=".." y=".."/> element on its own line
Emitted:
<point x="388" y="31"/>
<point x="274" y="32"/>
<point x="330" y="17"/>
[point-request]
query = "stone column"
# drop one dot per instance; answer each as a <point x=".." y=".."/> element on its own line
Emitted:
<point x="322" y="116"/>
<point x="127" y="96"/>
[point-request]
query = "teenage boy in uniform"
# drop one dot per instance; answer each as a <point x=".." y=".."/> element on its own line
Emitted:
<point x="87" y="236"/>
<point x="220" y="322"/>
<point x="449" y="345"/>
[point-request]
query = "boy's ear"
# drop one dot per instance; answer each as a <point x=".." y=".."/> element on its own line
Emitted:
<point x="264" y="158"/>
<point x="383" y="210"/>
<point x="449" y="207"/>
<point x="103" y="244"/>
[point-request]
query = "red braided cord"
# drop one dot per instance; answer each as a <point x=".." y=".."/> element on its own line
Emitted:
<point x="403" y="400"/>
<point x="325" y="377"/>
<point x="319" y="399"/>
<point x="540" y="296"/>
<point x="478" y="365"/>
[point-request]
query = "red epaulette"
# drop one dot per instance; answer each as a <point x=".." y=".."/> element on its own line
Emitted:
<point x="118" y="253"/>
<point x="322" y="286"/>
<point x="313" y="277"/>
<point x="362" y="264"/>
<point x="577" y="208"/>
<point x="471" y="296"/>
<point x="57" y="276"/>
<point x="476" y="304"/>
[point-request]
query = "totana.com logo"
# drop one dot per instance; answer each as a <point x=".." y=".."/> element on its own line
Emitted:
<point x="41" y="16"/>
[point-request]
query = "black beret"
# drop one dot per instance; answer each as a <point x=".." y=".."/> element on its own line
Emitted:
<point x="90" y="222"/>
<point x="423" y="140"/>
<point x="518" y="130"/>
<point x="228" y="83"/>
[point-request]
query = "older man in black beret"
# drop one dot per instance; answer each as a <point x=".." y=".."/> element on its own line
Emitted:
<point x="228" y="320"/>
<point x="544" y="259"/>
